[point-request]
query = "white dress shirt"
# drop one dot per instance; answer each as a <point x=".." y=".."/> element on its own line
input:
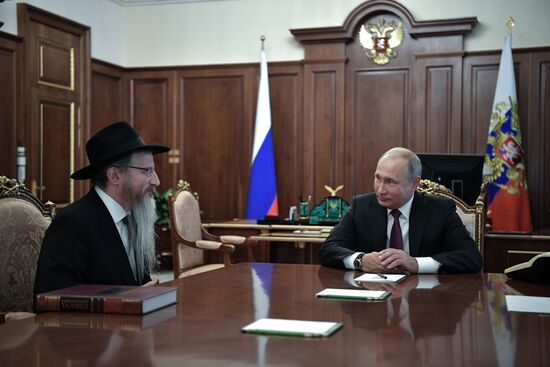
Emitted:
<point x="118" y="214"/>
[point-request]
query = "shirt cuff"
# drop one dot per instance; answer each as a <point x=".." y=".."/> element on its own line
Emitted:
<point x="427" y="265"/>
<point x="348" y="261"/>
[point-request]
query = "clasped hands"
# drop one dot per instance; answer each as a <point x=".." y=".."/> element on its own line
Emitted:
<point x="389" y="260"/>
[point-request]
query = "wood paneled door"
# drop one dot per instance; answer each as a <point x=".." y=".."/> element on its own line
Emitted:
<point x="55" y="82"/>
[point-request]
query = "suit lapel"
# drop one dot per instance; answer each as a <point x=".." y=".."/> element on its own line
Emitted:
<point x="112" y="241"/>
<point x="379" y="226"/>
<point x="417" y="224"/>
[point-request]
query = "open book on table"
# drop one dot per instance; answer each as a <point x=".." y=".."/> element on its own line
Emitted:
<point x="380" y="278"/>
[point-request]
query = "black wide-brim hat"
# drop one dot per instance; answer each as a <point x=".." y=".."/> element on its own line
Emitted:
<point x="111" y="144"/>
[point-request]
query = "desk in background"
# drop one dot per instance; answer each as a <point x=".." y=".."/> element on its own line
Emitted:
<point x="456" y="320"/>
<point x="277" y="243"/>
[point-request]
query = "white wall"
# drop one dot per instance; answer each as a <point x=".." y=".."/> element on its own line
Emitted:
<point x="219" y="32"/>
<point x="105" y="18"/>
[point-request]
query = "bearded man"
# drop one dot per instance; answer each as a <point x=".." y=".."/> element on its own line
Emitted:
<point x="108" y="236"/>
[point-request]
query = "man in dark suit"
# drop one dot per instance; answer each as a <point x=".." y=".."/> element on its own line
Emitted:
<point x="396" y="229"/>
<point x="107" y="237"/>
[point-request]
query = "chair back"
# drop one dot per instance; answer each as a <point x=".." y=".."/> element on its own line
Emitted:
<point x="185" y="220"/>
<point x="23" y="222"/>
<point x="473" y="217"/>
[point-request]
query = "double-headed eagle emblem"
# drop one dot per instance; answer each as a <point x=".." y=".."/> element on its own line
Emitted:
<point x="379" y="41"/>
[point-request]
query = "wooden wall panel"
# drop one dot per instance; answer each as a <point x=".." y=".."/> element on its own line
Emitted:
<point x="323" y="130"/>
<point x="285" y="84"/>
<point x="151" y="113"/>
<point x="323" y="125"/>
<point x="539" y="137"/>
<point x="379" y="122"/>
<point x="9" y="46"/>
<point x="216" y="125"/>
<point x="480" y="78"/>
<point x="107" y="99"/>
<point x="57" y="127"/>
<point x="438" y="109"/>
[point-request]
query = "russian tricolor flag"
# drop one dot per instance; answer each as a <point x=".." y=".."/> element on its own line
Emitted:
<point x="262" y="188"/>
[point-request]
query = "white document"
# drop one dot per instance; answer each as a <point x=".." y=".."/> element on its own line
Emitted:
<point x="363" y="294"/>
<point x="380" y="278"/>
<point x="292" y="327"/>
<point x="528" y="304"/>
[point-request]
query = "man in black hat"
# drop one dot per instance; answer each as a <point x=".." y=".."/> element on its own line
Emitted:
<point x="107" y="237"/>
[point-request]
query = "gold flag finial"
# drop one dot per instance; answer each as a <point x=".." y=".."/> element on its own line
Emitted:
<point x="510" y="24"/>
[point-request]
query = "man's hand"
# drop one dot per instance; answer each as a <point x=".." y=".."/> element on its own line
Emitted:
<point x="371" y="263"/>
<point x="154" y="281"/>
<point x="397" y="260"/>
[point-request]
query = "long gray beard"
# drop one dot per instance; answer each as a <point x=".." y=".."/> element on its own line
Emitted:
<point x="142" y="225"/>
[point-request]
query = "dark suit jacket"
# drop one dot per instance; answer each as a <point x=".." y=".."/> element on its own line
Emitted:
<point x="435" y="230"/>
<point x="82" y="245"/>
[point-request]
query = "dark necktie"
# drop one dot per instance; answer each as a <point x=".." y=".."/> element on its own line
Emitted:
<point x="396" y="237"/>
<point x="131" y="243"/>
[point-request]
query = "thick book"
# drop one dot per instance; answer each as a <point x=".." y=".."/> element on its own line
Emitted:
<point x="120" y="299"/>
<point x="380" y="278"/>
<point x="536" y="269"/>
<point x="353" y="294"/>
<point x="299" y="328"/>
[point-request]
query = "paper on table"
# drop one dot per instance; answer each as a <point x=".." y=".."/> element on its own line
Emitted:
<point x="292" y="327"/>
<point x="362" y="294"/>
<point x="375" y="278"/>
<point x="528" y="304"/>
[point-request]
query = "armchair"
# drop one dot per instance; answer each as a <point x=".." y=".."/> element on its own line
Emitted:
<point x="473" y="217"/>
<point x="23" y="222"/>
<point x="190" y="240"/>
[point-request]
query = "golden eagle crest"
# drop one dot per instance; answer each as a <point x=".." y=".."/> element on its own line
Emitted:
<point x="379" y="41"/>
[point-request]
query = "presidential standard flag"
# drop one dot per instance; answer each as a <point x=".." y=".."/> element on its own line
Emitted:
<point x="262" y="188"/>
<point x="504" y="169"/>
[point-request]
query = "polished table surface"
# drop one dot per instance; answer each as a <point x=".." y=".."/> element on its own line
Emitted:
<point x="435" y="320"/>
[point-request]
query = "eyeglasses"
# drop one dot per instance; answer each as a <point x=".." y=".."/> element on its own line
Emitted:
<point x="148" y="170"/>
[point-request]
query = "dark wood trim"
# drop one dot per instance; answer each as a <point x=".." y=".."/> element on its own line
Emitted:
<point x="53" y="20"/>
<point x="10" y="37"/>
<point x="97" y="63"/>
<point x="345" y="33"/>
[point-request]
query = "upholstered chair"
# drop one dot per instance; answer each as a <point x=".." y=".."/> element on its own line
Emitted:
<point x="23" y="222"/>
<point x="473" y="217"/>
<point x="190" y="240"/>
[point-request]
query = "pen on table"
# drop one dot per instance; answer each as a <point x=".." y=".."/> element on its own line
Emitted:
<point x="382" y="276"/>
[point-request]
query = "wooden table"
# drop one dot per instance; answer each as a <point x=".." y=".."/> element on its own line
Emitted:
<point x="454" y="320"/>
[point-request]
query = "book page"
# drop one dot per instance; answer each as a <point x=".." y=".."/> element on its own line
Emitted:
<point x="380" y="278"/>
<point x="528" y="304"/>
<point x="292" y="327"/>
<point x="353" y="294"/>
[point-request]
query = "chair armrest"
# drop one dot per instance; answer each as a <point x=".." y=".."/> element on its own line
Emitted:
<point x="233" y="240"/>
<point x="214" y="246"/>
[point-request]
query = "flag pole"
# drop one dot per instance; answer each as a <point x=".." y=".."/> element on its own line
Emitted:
<point x="510" y="23"/>
<point x="262" y="38"/>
